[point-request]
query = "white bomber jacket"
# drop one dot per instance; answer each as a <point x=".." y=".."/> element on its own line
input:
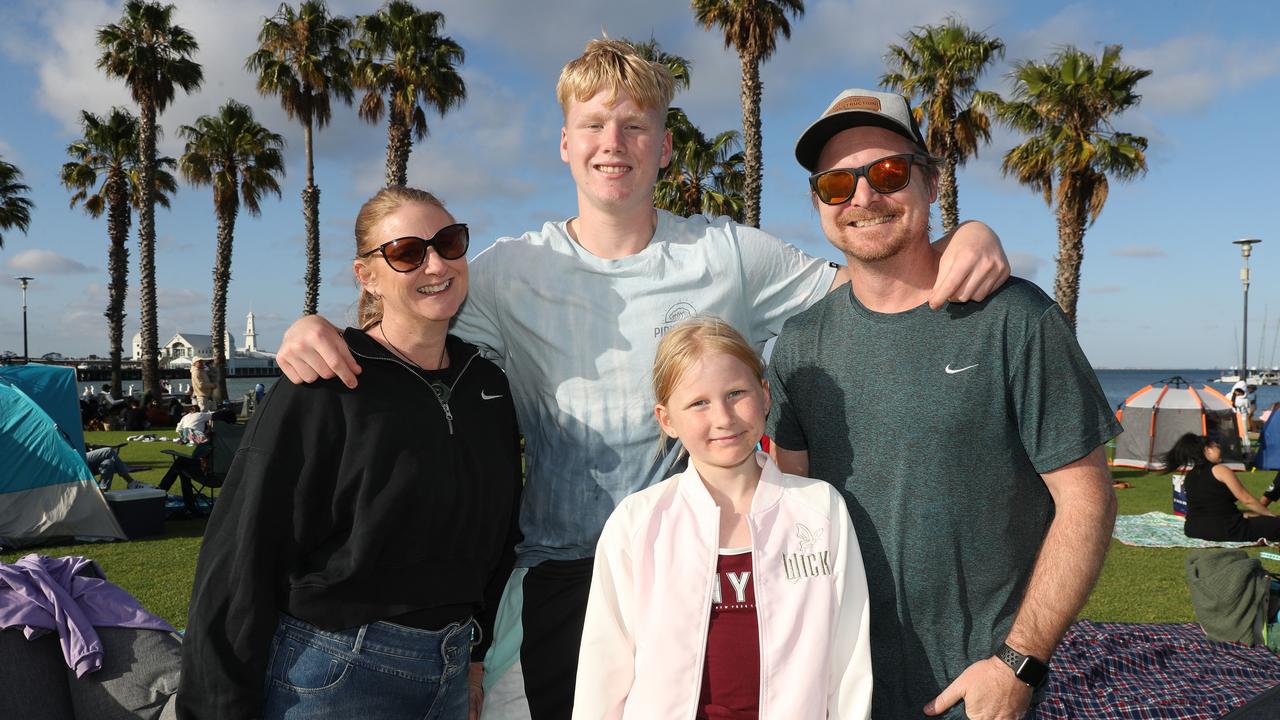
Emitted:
<point x="645" y="635"/>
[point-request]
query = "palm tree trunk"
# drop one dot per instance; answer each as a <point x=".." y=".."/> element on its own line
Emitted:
<point x="399" y="143"/>
<point x="148" y="322"/>
<point x="118" y="270"/>
<point x="949" y="192"/>
<point x="221" y="281"/>
<point x="311" y="213"/>
<point x="753" y="162"/>
<point x="1071" y="223"/>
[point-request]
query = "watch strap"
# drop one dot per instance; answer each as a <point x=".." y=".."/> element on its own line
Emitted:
<point x="1026" y="668"/>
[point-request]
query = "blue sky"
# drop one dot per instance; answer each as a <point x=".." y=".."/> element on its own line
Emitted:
<point x="1160" y="280"/>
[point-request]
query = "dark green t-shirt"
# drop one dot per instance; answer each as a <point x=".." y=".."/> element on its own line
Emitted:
<point x="936" y="426"/>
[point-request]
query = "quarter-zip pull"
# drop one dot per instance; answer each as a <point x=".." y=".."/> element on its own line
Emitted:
<point x="448" y="414"/>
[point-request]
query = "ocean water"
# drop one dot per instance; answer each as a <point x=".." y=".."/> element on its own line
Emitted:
<point x="236" y="387"/>
<point x="1116" y="384"/>
<point x="1120" y="384"/>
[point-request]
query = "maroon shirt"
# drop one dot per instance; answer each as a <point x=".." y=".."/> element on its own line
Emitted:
<point x="731" y="673"/>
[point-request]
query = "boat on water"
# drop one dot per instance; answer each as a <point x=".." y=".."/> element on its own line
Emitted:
<point x="1253" y="377"/>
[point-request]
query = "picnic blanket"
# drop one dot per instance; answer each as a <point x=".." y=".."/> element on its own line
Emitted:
<point x="1158" y="529"/>
<point x="1121" y="670"/>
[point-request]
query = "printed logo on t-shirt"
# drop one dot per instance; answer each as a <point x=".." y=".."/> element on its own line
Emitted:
<point x="807" y="561"/>
<point x="733" y="589"/>
<point x="675" y="313"/>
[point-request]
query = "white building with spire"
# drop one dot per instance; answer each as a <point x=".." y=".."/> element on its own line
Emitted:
<point x="185" y="347"/>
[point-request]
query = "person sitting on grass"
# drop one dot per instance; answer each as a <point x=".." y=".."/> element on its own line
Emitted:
<point x="106" y="462"/>
<point x="135" y="417"/>
<point x="194" y="425"/>
<point x="157" y="414"/>
<point x="1212" y="493"/>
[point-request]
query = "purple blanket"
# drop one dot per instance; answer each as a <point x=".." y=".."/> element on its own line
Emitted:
<point x="1120" y="670"/>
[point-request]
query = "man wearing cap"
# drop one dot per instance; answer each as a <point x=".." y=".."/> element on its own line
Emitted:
<point x="989" y="405"/>
<point x="573" y="312"/>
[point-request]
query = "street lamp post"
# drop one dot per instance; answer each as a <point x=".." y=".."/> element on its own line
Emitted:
<point x="26" y="358"/>
<point x="1246" y="248"/>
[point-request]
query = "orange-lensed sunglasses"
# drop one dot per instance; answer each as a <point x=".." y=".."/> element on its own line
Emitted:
<point x="886" y="175"/>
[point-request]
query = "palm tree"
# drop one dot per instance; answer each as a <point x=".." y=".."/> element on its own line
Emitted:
<point x="109" y="148"/>
<point x="705" y="174"/>
<point x="241" y="160"/>
<point x="1066" y="104"/>
<point x="680" y="68"/>
<point x="302" y="57"/>
<point x="153" y="56"/>
<point x="401" y="55"/>
<point x="940" y="65"/>
<point x="752" y="27"/>
<point x="15" y="207"/>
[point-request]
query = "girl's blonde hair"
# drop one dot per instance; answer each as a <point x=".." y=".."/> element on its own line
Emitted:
<point x="375" y="210"/>
<point x="689" y="342"/>
<point x="615" y="66"/>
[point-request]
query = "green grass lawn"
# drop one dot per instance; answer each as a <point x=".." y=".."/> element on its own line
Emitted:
<point x="1137" y="584"/>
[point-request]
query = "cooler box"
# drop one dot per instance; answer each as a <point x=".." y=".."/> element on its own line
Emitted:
<point x="140" y="511"/>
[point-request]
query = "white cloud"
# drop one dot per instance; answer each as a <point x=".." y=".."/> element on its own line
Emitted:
<point x="1075" y="24"/>
<point x="1025" y="265"/>
<point x="226" y="32"/>
<point x="167" y="297"/>
<point x="46" y="262"/>
<point x="1139" y="251"/>
<point x="860" y="32"/>
<point x="1184" y="81"/>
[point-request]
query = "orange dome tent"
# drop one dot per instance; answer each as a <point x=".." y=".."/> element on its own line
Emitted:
<point x="1157" y="415"/>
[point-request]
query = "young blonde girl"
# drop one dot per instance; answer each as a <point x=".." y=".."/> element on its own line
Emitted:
<point x="730" y="590"/>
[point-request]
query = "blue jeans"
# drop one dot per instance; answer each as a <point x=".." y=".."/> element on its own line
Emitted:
<point x="381" y="670"/>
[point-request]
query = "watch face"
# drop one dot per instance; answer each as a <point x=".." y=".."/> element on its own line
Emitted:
<point x="1026" y="668"/>
<point x="1033" y="672"/>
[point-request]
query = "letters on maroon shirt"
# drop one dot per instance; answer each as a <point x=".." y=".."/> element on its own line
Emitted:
<point x="731" y="672"/>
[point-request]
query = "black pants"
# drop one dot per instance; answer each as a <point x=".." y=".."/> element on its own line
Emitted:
<point x="182" y="468"/>
<point x="555" y="607"/>
<point x="1233" y="528"/>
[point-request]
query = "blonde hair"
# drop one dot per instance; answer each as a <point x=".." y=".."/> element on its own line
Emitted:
<point x="375" y="210"/>
<point x="614" y="65"/>
<point x="692" y="340"/>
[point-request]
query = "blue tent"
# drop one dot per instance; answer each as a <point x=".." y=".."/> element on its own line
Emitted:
<point x="1268" y="455"/>
<point x="53" y="387"/>
<point x="46" y="489"/>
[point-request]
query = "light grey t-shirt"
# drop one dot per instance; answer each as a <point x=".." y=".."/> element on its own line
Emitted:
<point x="576" y="335"/>
<point x="936" y="427"/>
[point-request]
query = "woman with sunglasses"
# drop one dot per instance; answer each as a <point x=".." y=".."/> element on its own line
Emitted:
<point x="354" y="560"/>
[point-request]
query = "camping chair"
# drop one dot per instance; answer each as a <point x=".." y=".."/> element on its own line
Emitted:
<point x="206" y="468"/>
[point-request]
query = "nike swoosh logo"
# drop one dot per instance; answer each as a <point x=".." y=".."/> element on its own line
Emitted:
<point x="959" y="370"/>
<point x="487" y="396"/>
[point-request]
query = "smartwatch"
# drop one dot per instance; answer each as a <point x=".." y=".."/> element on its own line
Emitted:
<point x="1028" y="669"/>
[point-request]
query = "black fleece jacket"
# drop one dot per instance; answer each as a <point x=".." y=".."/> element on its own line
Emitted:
<point x="345" y="507"/>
